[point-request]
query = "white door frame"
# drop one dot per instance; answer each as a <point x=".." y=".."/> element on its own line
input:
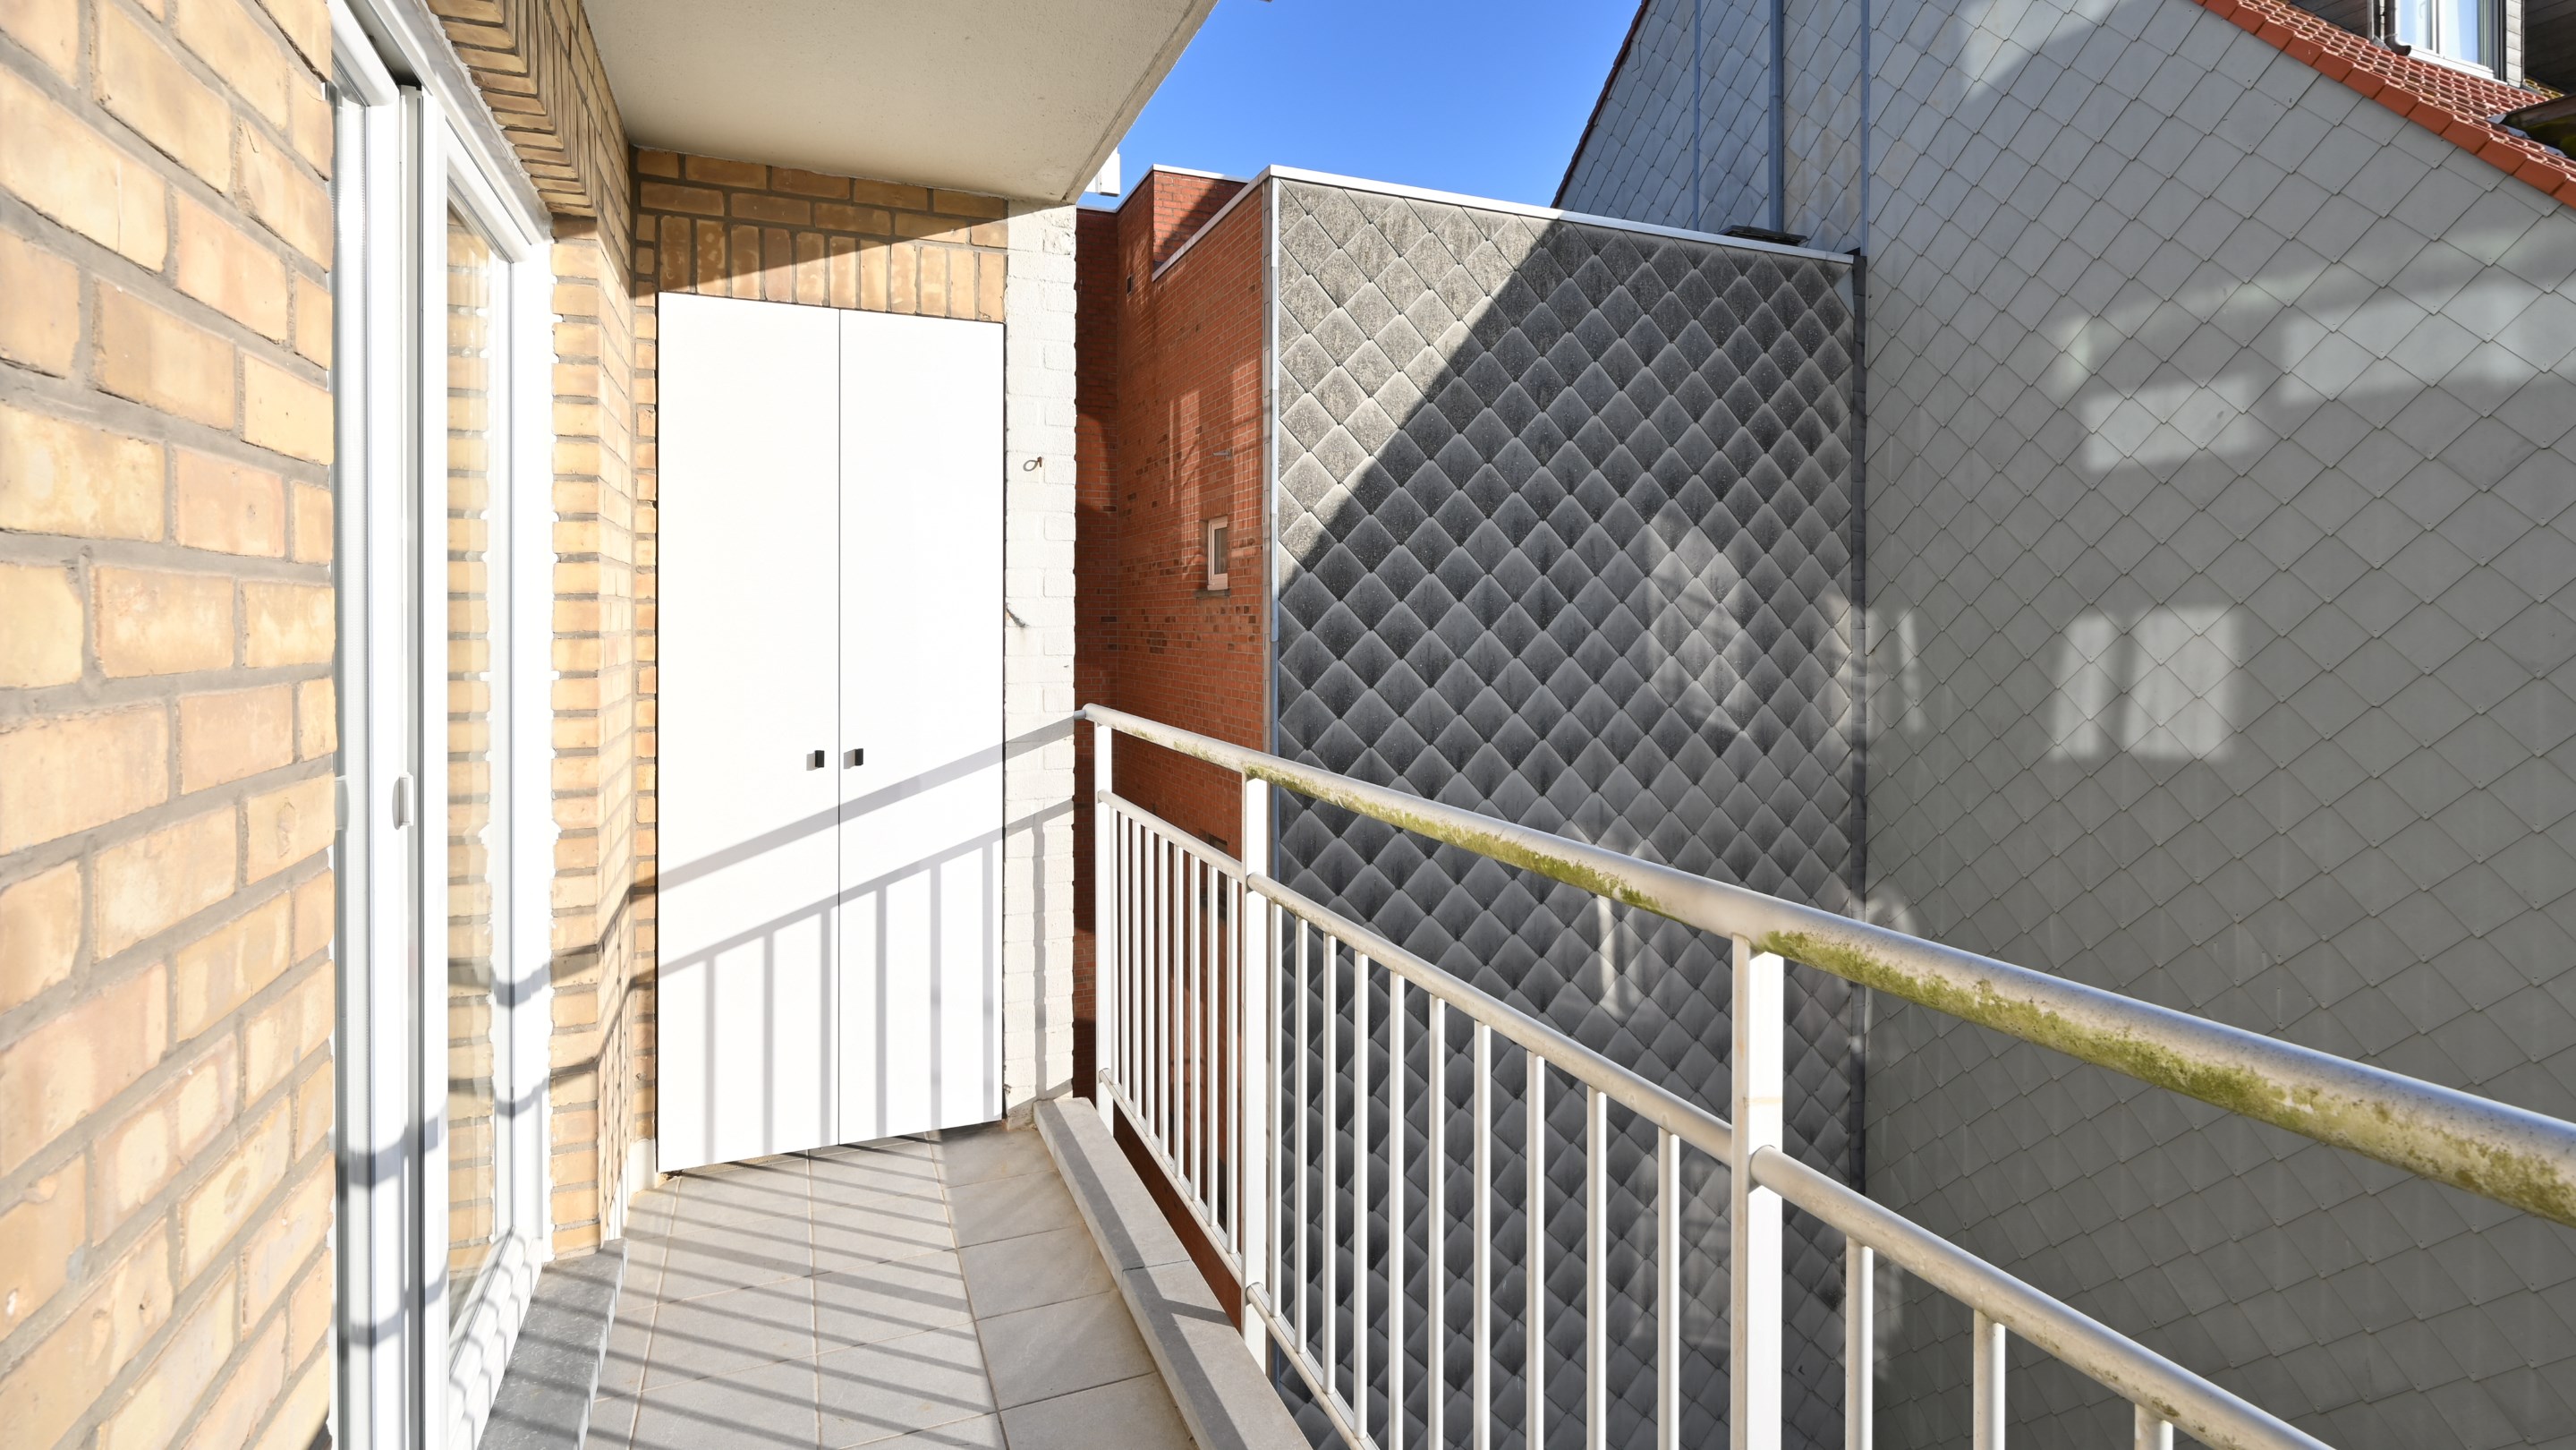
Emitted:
<point x="403" y="1380"/>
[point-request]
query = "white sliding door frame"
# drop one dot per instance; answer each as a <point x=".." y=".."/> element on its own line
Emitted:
<point x="519" y="559"/>
<point x="377" y="1390"/>
<point x="402" y="1379"/>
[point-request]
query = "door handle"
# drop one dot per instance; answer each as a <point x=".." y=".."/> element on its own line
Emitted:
<point x="814" y="760"/>
<point x="853" y="759"/>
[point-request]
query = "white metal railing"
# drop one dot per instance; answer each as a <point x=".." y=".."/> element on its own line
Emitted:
<point x="1198" y="949"/>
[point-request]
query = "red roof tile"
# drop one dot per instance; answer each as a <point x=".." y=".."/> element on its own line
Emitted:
<point x="2450" y="103"/>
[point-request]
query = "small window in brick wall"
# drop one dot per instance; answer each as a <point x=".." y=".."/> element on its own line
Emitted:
<point x="1217" y="530"/>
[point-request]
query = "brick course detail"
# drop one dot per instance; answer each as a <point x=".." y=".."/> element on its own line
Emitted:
<point x="773" y="233"/>
<point x="166" y="722"/>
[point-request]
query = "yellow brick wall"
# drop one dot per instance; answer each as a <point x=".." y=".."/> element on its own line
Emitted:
<point x="540" y="72"/>
<point x="742" y="229"/>
<point x="598" y="1014"/>
<point x="539" y="69"/>
<point x="166" y="722"/>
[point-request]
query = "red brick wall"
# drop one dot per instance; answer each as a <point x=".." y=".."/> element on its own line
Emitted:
<point x="1168" y="396"/>
<point x="1189" y="438"/>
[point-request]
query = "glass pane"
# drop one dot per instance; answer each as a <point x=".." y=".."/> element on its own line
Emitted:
<point x="473" y="1180"/>
<point x="2464" y="31"/>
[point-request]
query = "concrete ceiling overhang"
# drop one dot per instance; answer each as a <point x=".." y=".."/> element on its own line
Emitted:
<point x="1020" y="98"/>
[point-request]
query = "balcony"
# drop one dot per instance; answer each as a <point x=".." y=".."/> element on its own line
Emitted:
<point x="914" y="1292"/>
<point x="1335" y="1116"/>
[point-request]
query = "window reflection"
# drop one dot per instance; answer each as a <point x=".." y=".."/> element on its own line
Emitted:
<point x="2157" y="684"/>
<point x="473" y="1180"/>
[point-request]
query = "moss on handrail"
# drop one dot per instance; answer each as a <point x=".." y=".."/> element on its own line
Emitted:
<point x="2507" y="1154"/>
<point x="2413" y="1139"/>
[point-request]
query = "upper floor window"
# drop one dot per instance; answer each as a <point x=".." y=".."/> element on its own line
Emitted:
<point x="2469" y="31"/>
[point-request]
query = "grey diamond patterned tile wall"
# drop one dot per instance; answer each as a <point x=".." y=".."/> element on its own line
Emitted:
<point x="1565" y="534"/>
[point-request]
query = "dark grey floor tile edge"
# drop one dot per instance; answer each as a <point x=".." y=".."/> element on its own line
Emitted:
<point x="1220" y="1390"/>
<point x="545" y="1394"/>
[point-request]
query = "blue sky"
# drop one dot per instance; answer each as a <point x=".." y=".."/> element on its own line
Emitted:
<point x="1483" y="98"/>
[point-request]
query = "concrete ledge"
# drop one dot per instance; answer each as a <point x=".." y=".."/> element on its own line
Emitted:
<point x="1222" y="1394"/>
<point x="545" y="1394"/>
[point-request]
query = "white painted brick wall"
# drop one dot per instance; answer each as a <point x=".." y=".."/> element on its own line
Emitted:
<point x="1037" y="682"/>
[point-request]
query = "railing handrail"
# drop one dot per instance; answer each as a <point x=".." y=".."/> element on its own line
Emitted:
<point x="2511" y="1155"/>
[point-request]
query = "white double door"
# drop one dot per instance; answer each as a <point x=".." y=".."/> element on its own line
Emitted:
<point x="830" y="727"/>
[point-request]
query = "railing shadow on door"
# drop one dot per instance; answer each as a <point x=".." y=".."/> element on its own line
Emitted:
<point x="927" y="1043"/>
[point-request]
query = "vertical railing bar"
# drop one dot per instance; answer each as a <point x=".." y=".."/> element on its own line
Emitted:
<point x="1130" y="971"/>
<point x="1203" y="972"/>
<point x="1360" y="1097"/>
<point x="1275" y="1092"/>
<point x="1202" y="1080"/>
<point x="1142" y="1038"/>
<point x="1211" y="1005"/>
<point x="1225" y="1148"/>
<point x="2149" y="1430"/>
<point x="1986" y="1375"/>
<point x="1483" y="1169"/>
<point x="1183" y="1080"/>
<point x="1237" y="1070"/>
<point x="1276" y="1127"/>
<point x="1395" y="1175"/>
<point x="1223" y="961"/>
<point x="1230" y="1154"/>
<point x="1122" y="977"/>
<point x="1108" y="939"/>
<point x="1107" y="840"/>
<point x="1168" y="1060"/>
<point x="1305" y="1110"/>
<point x="1331" y="1025"/>
<point x="1192" y="1065"/>
<point x="1147" y="947"/>
<point x="1228" y="1061"/>
<point x="1256" y="1075"/>
<point x="1668" y="1290"/>
<point x="1158" y="1067"/>
<point x="1436" y="1248"/>
<point x="1596" y="1269"/>
<point x="1534" y="1271"/>
<point x="1753" y="1272"/>
<point x="1140" y="951"/>
<point x="1860" y="1344"/>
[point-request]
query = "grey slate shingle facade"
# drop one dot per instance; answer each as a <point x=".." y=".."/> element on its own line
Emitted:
<point x="2222" y="622"/>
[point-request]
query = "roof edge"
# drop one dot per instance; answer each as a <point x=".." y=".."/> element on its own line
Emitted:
<point x="2459" y="106"/>
<point x="1487" y="203"/>
<point x="1601" y="102"/>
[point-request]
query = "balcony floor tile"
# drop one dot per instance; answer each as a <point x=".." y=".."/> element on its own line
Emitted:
<point x="824" y="1300"/>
